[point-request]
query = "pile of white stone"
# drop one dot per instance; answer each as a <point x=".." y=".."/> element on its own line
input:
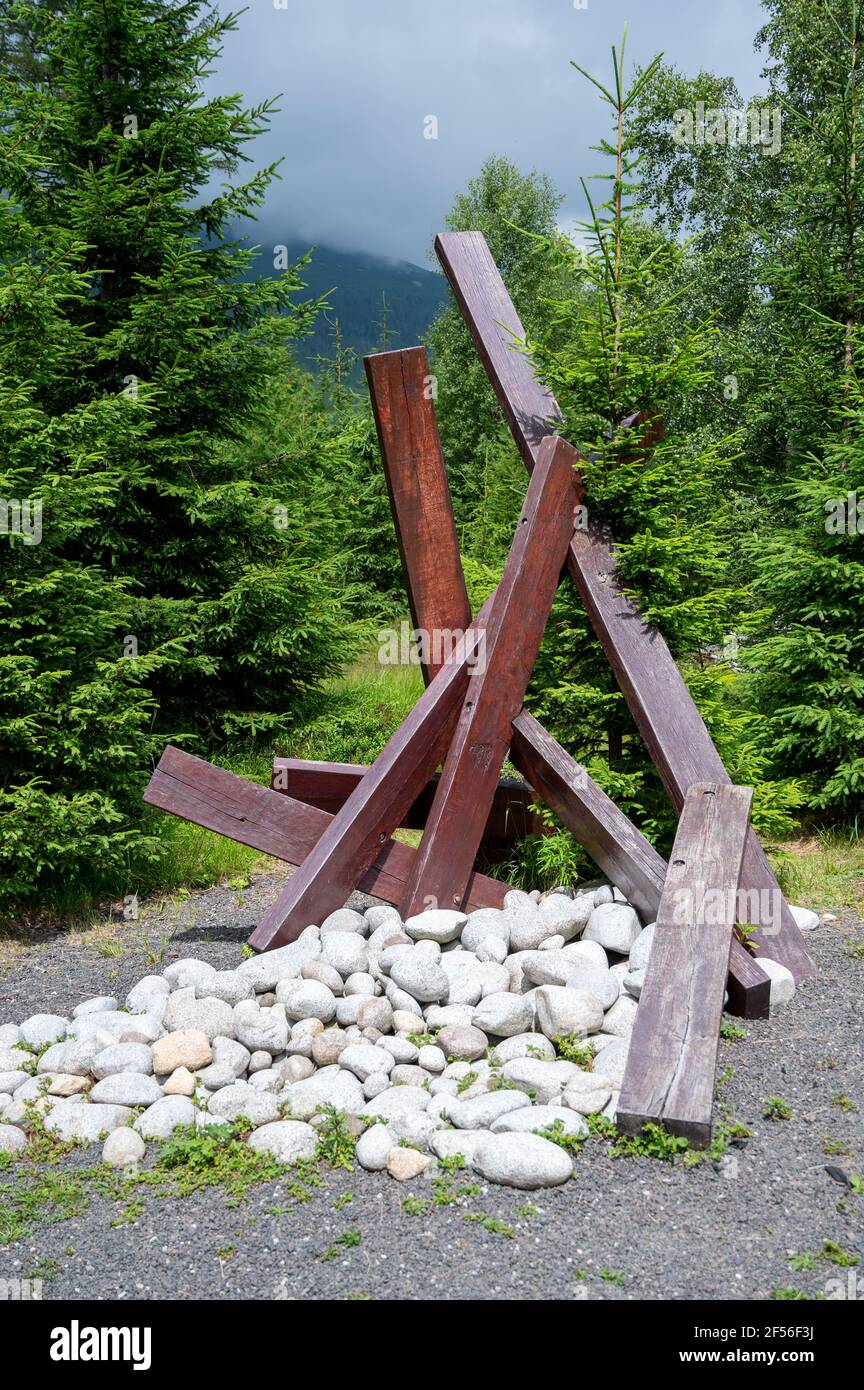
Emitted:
<point x="435" y="1037"/>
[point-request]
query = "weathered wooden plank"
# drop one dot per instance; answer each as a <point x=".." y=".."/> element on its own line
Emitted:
<point x="480" y="742"/>
<point x="420" y="498"/>
<point x="656" y="693"/>
<point x="328" y="786"/>
<point x="379" y="804"/>
<point x="276" y="824"/>
<point x="616" y="845"/>
<point x="672" y="1059"/>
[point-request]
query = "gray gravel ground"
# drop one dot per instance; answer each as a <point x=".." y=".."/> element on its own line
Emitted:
<point x="656" y="1230"/>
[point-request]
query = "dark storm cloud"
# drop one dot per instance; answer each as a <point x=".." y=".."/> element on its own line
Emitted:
<point x="359" y="77"/>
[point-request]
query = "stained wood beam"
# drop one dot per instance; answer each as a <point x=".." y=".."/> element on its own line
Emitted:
<point x="276" y="824"/>
<point x="672" y="1059"/>
<point x="402" y="403"/>
<point x="661" y="705"/>
<point x="481" y="739"/>
<point x="328" y="786"/>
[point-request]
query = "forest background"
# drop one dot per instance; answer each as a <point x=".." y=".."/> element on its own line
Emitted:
<point x="195" y="538"/>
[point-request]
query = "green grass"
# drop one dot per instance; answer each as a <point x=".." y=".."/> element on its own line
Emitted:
<point x="347" y="1241"/>
<point x="844" y="1103"/>
<point x="415" y="1206"/>
<point x="837" y="1146"/>
<point x="572" y="1049"/>
<point x="48" y="1197"/>
<point x="360" y="710"/>
<point x="190" y="1161"/>
<point x="335" y="1144"/>
<point x="824" y="871"/>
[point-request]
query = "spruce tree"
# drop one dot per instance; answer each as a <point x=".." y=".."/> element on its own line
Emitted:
<point x="181" y="587"/>
<point x="118" y="145"/>
<point x="635" y="353"/>
<point x="807" y="665"/>
<point x="76" y="712"/>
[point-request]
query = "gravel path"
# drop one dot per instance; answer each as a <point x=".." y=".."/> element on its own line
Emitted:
<point x="624" y="1228"/>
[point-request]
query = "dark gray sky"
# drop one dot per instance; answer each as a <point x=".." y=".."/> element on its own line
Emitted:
<point x="359" y="77"/>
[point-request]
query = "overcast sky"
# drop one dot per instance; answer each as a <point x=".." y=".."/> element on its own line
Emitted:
<point x="360" y="77"/>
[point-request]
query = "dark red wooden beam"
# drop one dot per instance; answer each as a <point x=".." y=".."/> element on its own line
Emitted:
<point x="523" y="601"/>
<point x="661" y="705"/>
<point x="328" y="786"/>
<point x="402" y="403"/>
<point x="276" y="824"/>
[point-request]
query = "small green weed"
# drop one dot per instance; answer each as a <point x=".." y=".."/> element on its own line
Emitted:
<point x="571" y="1048"/>
<point x="776" y="1108"/>
<point x="836" y="1146"/>
<point x="335" y="1144"/>
<point x="653" y="1142"/>
<point x="836" y="1255"/>
<point x="731" y="1030"/>
<point x="844" y="1103"/>
<point x="570" y="1143"/>
<point x="490" y="1224"/>
<point x="415" y="1206"/>
<point x="347" y="1241"/>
